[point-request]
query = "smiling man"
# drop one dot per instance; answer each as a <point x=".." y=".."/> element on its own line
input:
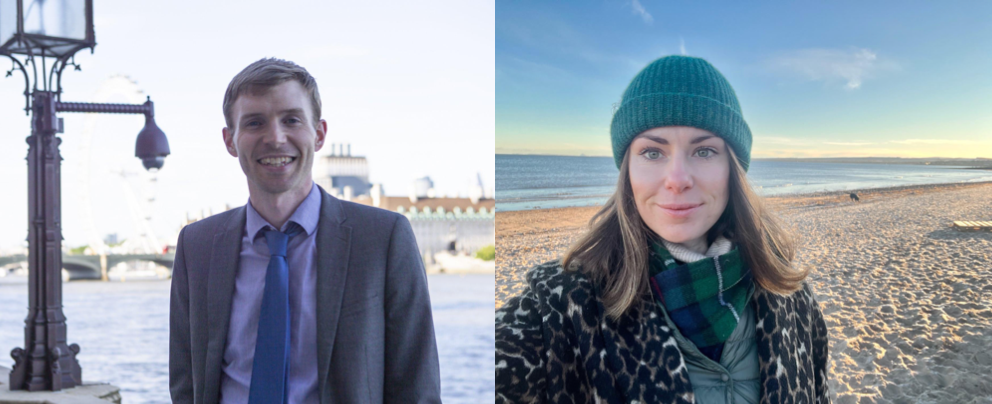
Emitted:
<point x="296" y="297"/>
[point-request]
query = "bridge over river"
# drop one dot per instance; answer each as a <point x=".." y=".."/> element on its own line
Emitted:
<point x="90" y="267"/>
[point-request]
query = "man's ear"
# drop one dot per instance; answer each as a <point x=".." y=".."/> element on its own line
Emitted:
<point x="229" y="141"/>
<point x="321" y="134"/>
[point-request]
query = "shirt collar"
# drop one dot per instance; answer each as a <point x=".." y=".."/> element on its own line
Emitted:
<point x="306" y="215"/>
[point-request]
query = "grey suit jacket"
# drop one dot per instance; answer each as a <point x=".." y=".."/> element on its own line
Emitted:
<point x="375" y="333"/>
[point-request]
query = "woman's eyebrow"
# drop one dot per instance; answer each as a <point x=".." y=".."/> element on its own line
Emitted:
<point x="656" y="139"/>
<point x="701" y="139"/>
<point x="664" y="141"/>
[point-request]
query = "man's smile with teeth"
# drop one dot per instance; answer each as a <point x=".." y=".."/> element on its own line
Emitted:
<point x="276" y="161"/>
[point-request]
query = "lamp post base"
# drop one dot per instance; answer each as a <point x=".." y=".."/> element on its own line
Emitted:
<point x="87" y="393"/>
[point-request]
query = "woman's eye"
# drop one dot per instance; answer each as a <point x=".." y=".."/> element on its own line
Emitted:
<point x="705" y="153"/>
<point x="652" y="154"/>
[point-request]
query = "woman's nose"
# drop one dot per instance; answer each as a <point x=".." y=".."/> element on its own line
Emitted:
<point x="679" y="178"/>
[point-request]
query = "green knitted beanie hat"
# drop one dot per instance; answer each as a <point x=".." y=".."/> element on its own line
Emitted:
<point x="680" y="91"/>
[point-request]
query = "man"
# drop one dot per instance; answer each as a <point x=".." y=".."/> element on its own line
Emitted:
<point x="296" y="297"/>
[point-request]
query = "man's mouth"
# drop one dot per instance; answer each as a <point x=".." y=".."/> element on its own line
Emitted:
<point x="276" y="161"/>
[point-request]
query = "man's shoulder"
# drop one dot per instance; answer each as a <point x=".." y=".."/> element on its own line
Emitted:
<point x="370" y="217"/>
<point x="208" y="227"/>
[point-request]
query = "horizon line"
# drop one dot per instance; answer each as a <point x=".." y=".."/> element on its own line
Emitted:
<point x="768" y="158"/>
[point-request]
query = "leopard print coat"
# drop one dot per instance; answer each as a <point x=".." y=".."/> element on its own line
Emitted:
<point x="554" y="344"/>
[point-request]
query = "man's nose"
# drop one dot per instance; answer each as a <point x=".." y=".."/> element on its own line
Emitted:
<point x="276" y="134"/>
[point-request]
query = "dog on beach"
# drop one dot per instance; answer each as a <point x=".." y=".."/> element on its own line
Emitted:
<point x="854" y="197"/>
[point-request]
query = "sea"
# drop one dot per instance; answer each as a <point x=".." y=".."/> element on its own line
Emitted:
<point x="123" y="330"/>
<point x="526" y="182"/>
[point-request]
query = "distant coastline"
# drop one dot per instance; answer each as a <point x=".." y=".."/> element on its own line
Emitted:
<point x="982" y="163"/>
<point x="978" y="162"/>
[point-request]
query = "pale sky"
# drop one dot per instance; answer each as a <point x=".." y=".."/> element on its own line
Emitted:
<point x="410" y="85"/>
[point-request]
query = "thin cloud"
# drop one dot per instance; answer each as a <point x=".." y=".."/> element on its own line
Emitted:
<point x="847" y="143"/>
<point x="682" y="46"/>
<point x="851" y="66"/>
<point x="780" y="140"/>
<point x="639" y="10"/>
<point x="807" y="153"/>
<point x="938" y="141"/>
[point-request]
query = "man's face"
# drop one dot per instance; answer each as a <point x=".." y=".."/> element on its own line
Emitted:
<point x="274" y="138"/>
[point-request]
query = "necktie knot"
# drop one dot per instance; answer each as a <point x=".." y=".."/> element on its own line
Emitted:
<point x="278" y="240"/>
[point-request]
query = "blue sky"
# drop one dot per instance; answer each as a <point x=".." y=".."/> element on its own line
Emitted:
<point x="840" y="78"/>
<point x="409" y="86"/>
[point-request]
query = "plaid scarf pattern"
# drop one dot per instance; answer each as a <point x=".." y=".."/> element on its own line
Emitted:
<point x="704" y="298"/>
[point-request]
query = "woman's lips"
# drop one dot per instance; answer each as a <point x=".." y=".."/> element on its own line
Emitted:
<point x="680" y="210"/>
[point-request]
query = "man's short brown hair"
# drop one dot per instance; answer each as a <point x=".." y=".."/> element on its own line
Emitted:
<point x="264" y="74"/>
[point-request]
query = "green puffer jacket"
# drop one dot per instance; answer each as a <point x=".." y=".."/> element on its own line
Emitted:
<point x="735" y="379"/>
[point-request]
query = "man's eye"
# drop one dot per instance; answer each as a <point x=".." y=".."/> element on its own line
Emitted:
<point x="253" y="123"/>
<point x="293" y="120"/>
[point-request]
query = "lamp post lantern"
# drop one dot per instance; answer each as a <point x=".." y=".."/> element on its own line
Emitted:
<point x="41" y="38"/>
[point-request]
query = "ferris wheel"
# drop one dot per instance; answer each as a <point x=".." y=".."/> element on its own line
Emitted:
<point x="140" y="206"/>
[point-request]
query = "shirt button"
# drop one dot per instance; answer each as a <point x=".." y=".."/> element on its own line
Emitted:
<point x="724" y="377"/>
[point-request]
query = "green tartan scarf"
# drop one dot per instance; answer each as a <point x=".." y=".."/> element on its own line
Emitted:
<point x="705" y="298"/>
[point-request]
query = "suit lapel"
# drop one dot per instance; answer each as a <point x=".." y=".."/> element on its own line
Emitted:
<point x="333" y="250"/>
<point x="223" y="269"/>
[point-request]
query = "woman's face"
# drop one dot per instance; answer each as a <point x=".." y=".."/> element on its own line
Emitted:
<point x="679" y="176"/>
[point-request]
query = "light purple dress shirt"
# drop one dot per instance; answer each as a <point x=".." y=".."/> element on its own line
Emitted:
<point x="301" y="255"/>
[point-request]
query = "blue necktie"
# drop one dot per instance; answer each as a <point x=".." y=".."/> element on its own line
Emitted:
<point x="270" y="369"/>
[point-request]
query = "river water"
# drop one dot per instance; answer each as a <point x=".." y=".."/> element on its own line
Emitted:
<point x="123" y="330"/>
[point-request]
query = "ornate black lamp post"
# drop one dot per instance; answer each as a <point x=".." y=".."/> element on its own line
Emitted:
<point x="42" y="36"/>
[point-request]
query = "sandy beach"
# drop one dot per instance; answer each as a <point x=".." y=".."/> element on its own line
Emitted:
<point x="907" y="298"/>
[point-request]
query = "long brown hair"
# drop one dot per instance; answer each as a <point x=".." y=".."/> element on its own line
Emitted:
<point x="614" y="252"/>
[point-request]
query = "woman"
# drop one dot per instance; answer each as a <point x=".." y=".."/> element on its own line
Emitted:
<point x="683" y="289"/>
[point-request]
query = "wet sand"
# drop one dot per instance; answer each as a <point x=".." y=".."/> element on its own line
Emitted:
<point x="907" y="298"/>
